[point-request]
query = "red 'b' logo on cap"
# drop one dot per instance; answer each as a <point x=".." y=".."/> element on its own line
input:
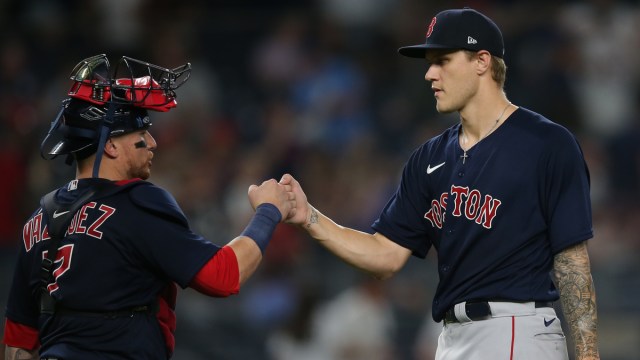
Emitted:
<point x="430" y="29"/>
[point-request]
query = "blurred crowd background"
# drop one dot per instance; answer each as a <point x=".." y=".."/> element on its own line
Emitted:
<point x="316" y="88"/>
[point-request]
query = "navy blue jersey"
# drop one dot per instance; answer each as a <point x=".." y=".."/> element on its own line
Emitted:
<point x="497" y="219"/>
<point x="120" y="252"/>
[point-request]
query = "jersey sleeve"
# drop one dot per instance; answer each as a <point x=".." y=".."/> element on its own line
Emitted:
<point x="402" y="219"/>
<point x="163" y="236"/>
<point x="567" y="190"/>
<point x="220" y="276"/>
<point x="20" y="336"/>
<point x="21" y="303"/>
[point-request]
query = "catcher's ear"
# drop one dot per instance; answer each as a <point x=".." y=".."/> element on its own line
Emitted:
<point x="111" y="148"/>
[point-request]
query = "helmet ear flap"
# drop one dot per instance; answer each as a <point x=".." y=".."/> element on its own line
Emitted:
<point x="73" y="130"/>
<point x="50" y="141"/>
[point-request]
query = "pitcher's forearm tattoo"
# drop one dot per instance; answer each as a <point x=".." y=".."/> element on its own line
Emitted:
<point x="577" y="294"/>
<point x="313" y="218"/>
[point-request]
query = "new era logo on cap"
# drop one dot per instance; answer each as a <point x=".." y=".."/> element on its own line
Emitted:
<point x="459" y="29"/>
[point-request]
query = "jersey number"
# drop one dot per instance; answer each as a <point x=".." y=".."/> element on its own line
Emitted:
<point x="61" y="264"/>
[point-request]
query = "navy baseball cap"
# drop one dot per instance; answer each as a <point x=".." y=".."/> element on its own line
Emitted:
<point x="465" y="28"/>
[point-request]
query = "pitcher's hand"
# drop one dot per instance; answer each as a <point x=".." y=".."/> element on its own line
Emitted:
<point x="300" y="214"/>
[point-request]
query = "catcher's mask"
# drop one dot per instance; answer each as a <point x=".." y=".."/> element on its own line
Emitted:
<point x="105" y="102"/>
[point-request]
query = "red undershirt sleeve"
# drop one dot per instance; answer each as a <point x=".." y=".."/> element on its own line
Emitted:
<point x="20" y="336"/>
<point x="220" y="276"/>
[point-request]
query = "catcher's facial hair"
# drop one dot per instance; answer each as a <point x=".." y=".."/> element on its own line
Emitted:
<point x="140" y="144"/>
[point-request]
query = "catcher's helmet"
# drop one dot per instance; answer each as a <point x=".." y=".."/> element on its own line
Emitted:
<point x="105" y="102"/>
<point x="77" y="129"/>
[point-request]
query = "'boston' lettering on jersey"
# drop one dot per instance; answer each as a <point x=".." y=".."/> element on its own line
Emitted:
<point x="33" y="232"/>
<point x="469" y="203"/>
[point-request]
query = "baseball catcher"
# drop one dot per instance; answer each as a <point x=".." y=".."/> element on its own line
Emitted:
<point x="103" y="255"/>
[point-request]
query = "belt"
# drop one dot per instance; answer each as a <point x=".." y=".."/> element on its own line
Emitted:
<point x="480" y="310"/>
<point x="145" y="309"/>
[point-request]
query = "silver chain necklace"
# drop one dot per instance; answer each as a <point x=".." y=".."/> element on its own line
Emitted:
<point x="464" y="156"/>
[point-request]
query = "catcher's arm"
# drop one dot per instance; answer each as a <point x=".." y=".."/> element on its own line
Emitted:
<point x="578" y="297"/>
<point x="14" y="353"/>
